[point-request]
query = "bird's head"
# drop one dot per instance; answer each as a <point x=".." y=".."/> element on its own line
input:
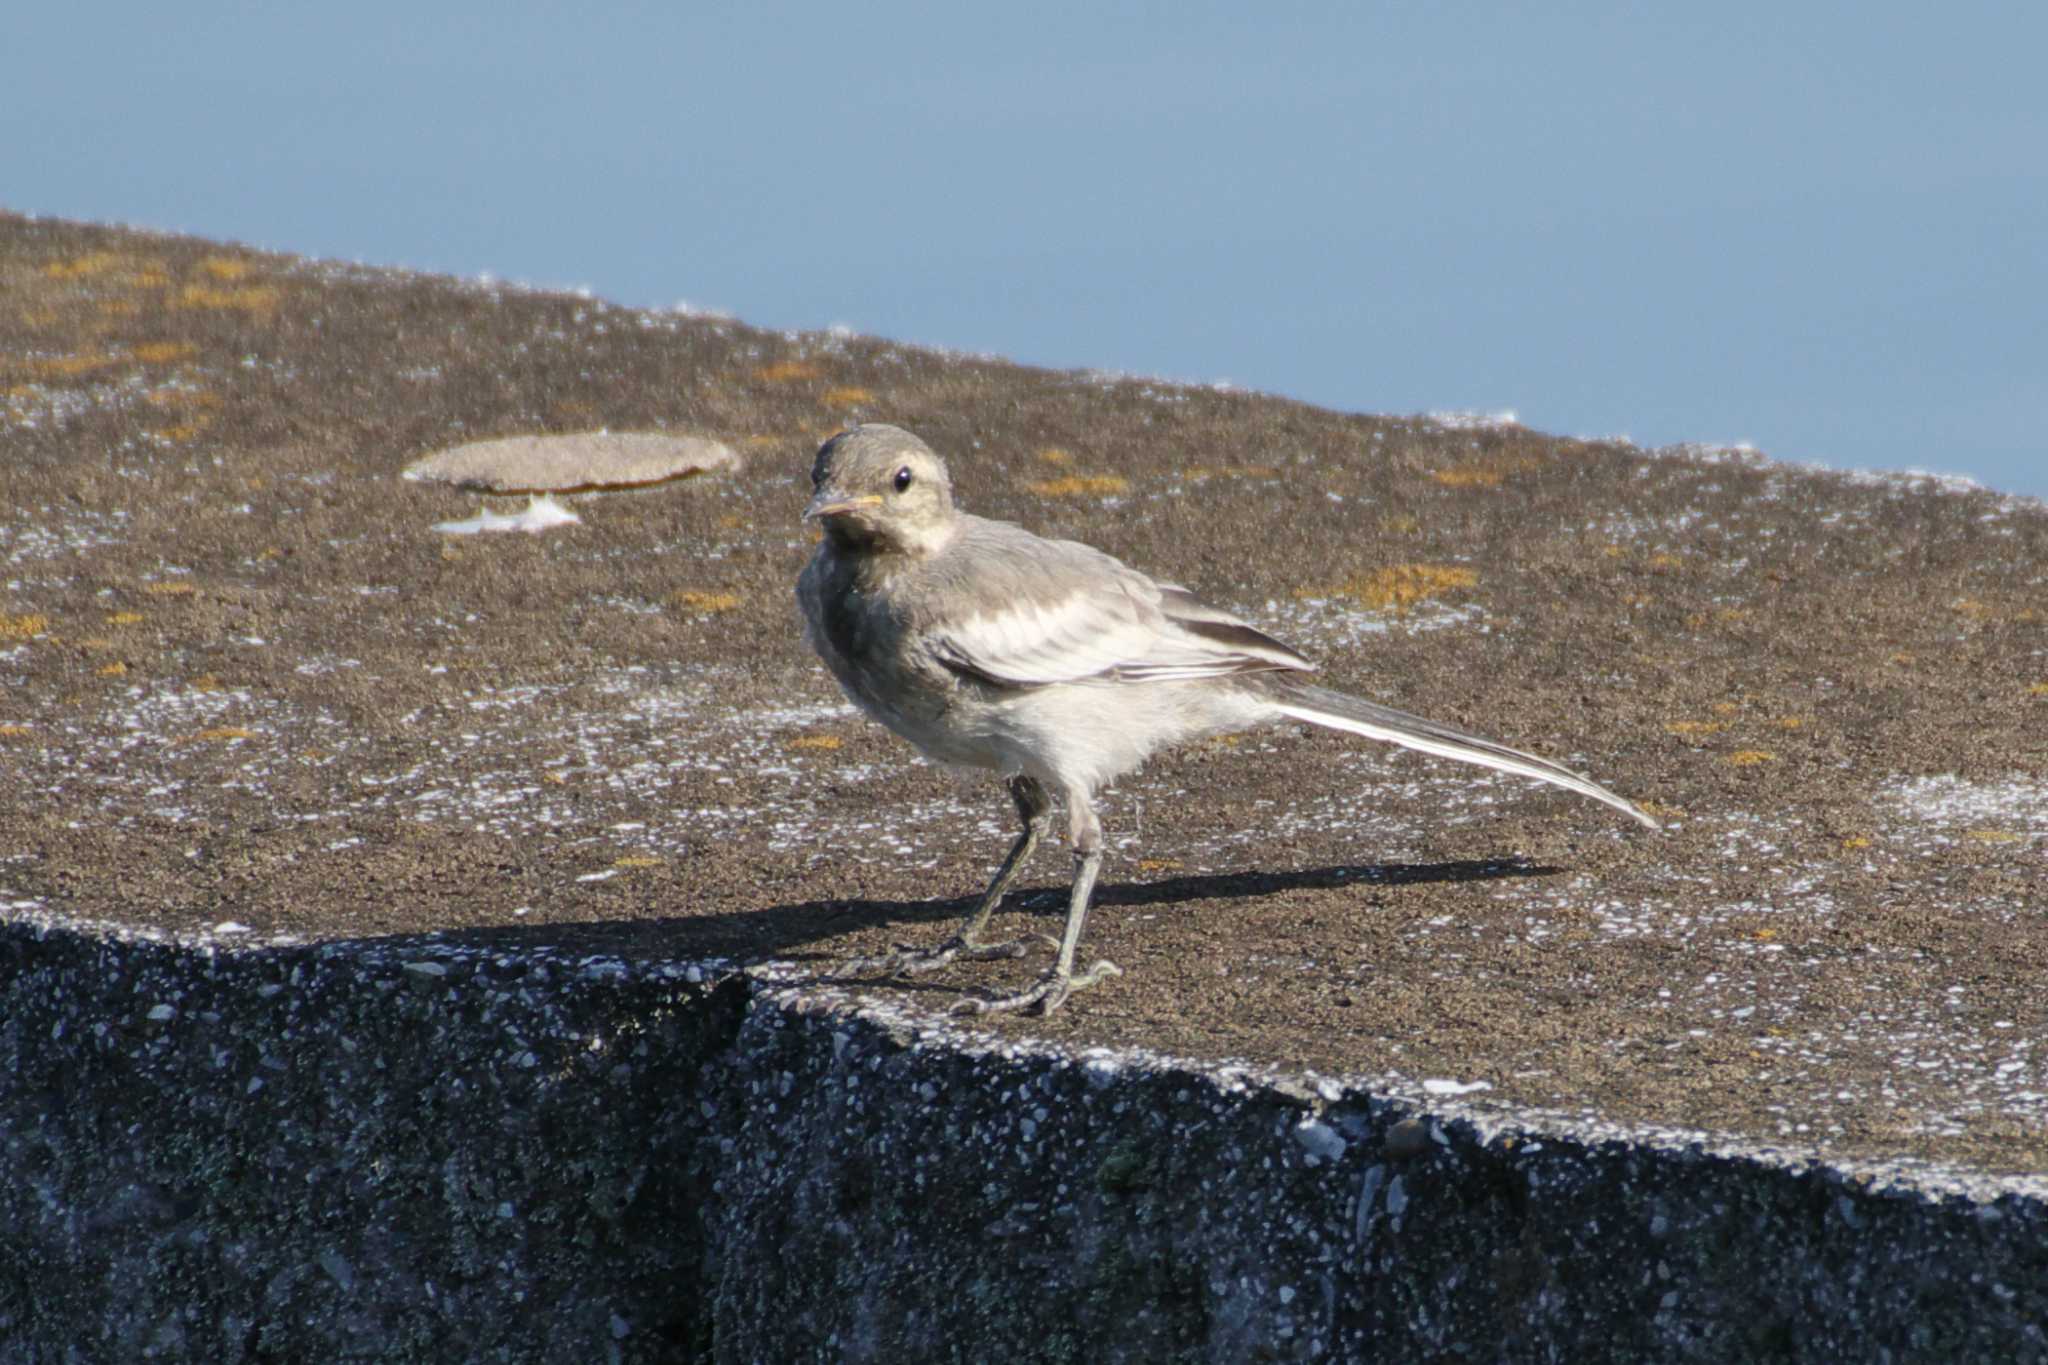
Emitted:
<point x="878" y="487"/>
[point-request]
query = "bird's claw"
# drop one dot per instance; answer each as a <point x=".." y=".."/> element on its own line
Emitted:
<point x="1044" y="996"/>
<point x="911" y="960"/>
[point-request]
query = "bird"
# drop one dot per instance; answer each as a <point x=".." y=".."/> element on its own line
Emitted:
<point x="1052" y="663"/>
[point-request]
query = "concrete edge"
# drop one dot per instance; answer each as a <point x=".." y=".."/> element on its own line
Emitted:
<point x="500" y="1150"/>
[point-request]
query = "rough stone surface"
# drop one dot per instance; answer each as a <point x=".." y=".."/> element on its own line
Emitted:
<point x="474" y="1148"/>
<point x="583" y="462"/>
<point x="255" y="710"/>
<point x="320" y="1153"/>
<point x="894" y="1194"/>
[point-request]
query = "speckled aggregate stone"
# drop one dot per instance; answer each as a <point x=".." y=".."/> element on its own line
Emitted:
<point x="435" y="1150"/>
<point x="905" y="1190"/>
<point x="411" y="1151"/>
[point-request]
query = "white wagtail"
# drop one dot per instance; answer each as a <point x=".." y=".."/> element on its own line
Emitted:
<point x="1050" y="662"/>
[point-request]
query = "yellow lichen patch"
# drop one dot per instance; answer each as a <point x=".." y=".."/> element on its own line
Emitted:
<point x="825" y="742"/>
<point x="177" y="396"/>
<point x="118" y="308"/>
<point x="1992" y="836"/>
<point x="693" y="599"/>
<point x="224" y="732"/>
<point x="555" y="776"/>
<point x="260" y="298"/>
<point x="1157" y="865"/>
<point x="786" y="371"/>
<point x="1402" y="525"/>
<point x="123" y="618"/>
<point x="1662" y="562"/>
<point x="173" y="395"/>
<point x="763" y="442"/>
<point x="84" y="267"/>
<point x="2039" y="689"/>
<point x="1055" y="455"/>
<point x="1081" y="485"/>
<point x="732" y="521"/>
<point x="1749" y="758"/>
<point x="1972" y="608"/>
<point x="109" y="267"/>
<point x="1469" y="476"/>
<point x="1612" y="551"/>
<point x="1900" y="658"/>
<point x="1790" y="722"/>
<point x="1481" y="473"/>
<point x="164" y="352"/>
<point x="636" y="860"/>
<point x="846" y="393"/>
<point x="1692" y="728"/>
<point x="26" y="626"/>
<point x="225" y="267"/>
<point x="1727" y="708"/>
<point x="70" y="366"/>
<point x="185" y="431"/>
<point x="170" y="589"/>
<point x="207" y="682"/>
<point x="1764" y="935"/>
<point x="1856" y="841"/>
<point x="1399" y="586"/>
<point x="115" y="669"/>
<point x="13" y="731"/>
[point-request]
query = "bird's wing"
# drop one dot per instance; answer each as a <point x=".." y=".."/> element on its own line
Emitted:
<point x="1025" y="611"/>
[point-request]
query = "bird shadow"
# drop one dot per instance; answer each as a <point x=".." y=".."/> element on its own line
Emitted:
<point x="791" y="931"/>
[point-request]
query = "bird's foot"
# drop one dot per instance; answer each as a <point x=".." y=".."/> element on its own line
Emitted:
<point x="1047" y="994"/>
<point x="911" y="960"/>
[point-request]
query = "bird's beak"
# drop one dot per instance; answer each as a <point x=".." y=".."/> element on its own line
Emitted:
<point x="831" y="503"/>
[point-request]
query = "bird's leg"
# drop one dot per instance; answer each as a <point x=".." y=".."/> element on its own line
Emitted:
<point x="1059" y="981"/>
<point x="966" y="944"/>
<point x="1032" y="806"/>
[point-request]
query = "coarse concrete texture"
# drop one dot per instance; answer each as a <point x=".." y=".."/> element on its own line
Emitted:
<point x="409" y="943"/>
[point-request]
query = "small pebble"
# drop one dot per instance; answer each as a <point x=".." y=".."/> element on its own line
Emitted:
<point x="1408" y="1138"/>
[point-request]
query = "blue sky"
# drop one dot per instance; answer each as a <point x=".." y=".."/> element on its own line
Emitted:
<point x="1819" y="228"/>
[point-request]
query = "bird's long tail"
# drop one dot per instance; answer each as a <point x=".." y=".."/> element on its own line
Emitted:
<point x="1320" y="706"/>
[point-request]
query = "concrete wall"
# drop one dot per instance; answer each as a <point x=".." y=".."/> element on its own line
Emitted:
<point x="429" y="1150"/>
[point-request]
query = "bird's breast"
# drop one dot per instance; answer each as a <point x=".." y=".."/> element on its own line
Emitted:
<point x="874" y="653"/>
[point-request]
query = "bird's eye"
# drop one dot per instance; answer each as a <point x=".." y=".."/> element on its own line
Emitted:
<point x="902" y="479"/>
